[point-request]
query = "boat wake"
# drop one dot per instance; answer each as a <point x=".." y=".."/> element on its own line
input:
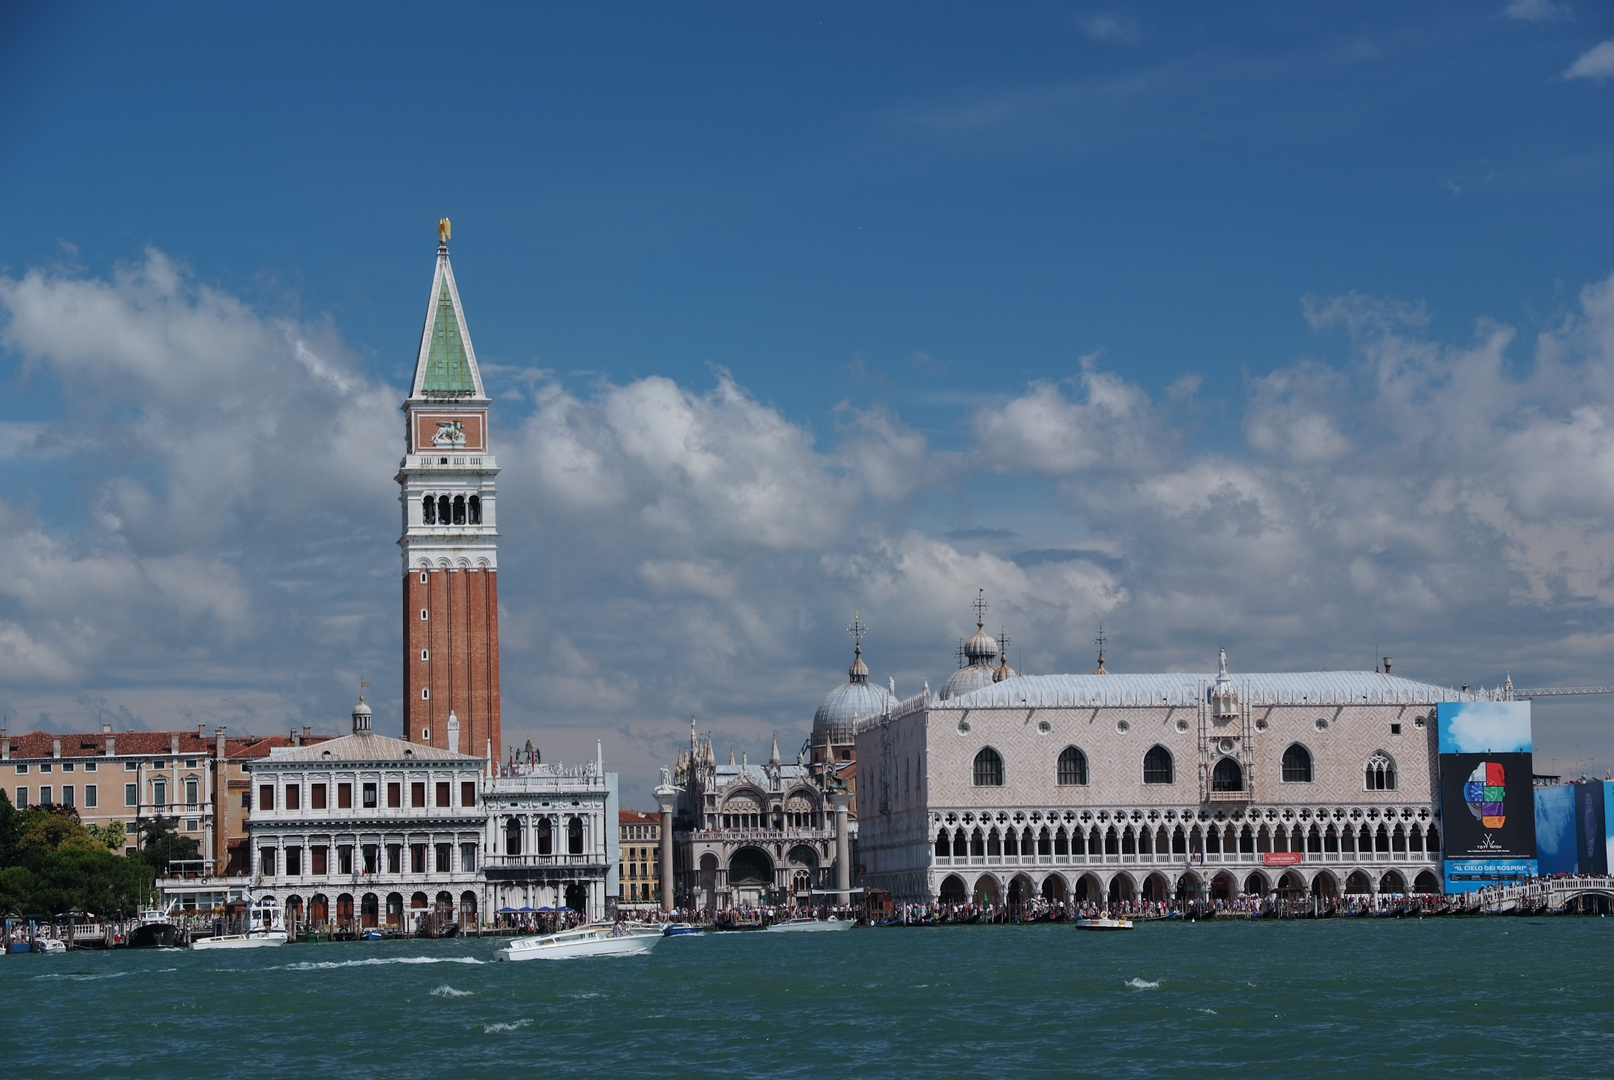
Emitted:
<point x="1142" y="984"/>
<point x="329" y="965"/>
<point x="447" y="991"/>
<point x="80" y="977"/>
<point x="489" y="1029"/>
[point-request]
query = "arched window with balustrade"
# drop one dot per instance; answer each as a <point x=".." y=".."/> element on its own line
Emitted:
<point x="1379" y="773"/>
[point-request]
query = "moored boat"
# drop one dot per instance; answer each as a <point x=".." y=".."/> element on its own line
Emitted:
<point x="1103" y="922"/>
<point x="809" y="925"/>
<point x="255" y="939"/>
<point x="592" y="940"/>
<point x="264" y="929"/>
<point x="155" y="931"/>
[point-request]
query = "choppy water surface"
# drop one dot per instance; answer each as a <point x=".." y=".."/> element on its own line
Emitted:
<point x="1440" y="997"/>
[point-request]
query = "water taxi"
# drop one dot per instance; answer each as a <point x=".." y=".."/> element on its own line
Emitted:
<point x="592" y="940"/>
<point x="682" y="929"/>
<point x="807" y="924"/>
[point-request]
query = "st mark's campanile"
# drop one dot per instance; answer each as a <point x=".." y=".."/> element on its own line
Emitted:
<point x="450" y="537"/>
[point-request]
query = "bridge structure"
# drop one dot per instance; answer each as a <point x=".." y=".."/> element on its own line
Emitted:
<point x="1552" y="895"/>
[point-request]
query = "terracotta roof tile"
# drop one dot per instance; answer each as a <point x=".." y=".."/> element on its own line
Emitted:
<point x="41" y="744"/>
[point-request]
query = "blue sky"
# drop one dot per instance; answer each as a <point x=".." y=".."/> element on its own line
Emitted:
<point x="1291" y="314"/>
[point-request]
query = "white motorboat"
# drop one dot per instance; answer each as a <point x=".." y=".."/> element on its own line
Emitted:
<point x="257" y="939"/>
<point x="593" y="940"/>
<point x="809" y="925"/>
<point x="50" y="945"/>
<point x="265" y="928"/>
<point x="1103" y="922"/>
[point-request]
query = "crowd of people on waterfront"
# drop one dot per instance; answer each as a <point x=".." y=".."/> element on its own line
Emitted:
<point x="1043" y="910"/>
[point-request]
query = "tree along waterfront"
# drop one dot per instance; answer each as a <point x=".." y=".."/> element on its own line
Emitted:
<point x="51" y="863"/>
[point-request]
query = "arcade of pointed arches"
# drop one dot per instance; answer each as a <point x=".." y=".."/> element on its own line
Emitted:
<point x="1380" y="834"/>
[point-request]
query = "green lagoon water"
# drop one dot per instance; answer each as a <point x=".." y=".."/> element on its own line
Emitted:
<point x="1506" y="997"/>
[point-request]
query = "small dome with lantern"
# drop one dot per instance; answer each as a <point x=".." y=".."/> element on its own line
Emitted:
<point x="982" y="660"/>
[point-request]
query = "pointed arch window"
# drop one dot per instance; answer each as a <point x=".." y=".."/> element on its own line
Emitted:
<point x="1158" y="767"/>
<point x="1227" y="776"/>
<point x="1296" y="765"/>
<point x="1379" y="774"/>
<point x="1072" y="767"/>
<point x="988" y="768"/>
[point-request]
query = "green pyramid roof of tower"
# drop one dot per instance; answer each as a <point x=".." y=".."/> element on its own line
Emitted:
<point x="447" y="367"/>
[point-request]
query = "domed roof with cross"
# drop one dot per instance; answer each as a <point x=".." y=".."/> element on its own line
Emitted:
<point x="835" y="720"/>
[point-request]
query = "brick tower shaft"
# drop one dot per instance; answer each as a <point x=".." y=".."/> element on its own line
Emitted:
<point x="450" y="537"/>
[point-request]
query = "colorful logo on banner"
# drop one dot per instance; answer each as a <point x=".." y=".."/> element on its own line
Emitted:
<point x="1484" y="791"/>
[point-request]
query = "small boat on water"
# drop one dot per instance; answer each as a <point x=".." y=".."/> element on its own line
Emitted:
<point x="809" y="925"/>
<point x="254" y="939"/>
<point x="1103" y="922"/>
<point x="50" y="945"/>
<point x="682" y="929"/>
<point x="592" y="940"/>
<point x="155" y="931"/>
<point x="264" y="930"/>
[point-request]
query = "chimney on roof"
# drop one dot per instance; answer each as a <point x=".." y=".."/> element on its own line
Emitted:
<point x="201" y="731"/>
<point x="307" y="730"/>
<point x="219" y="744"/>
<point x="173" y="744"/>
<point x="111" y="746"/>
<point x="56" y="747"/>
<point x="106" y="727"/>
<point x="5" y="745"/>
<point x="1387" y="665"/>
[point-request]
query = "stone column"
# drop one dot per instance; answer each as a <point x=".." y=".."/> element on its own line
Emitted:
<point x="665" y="796"/>
<point x="843" y="849"/>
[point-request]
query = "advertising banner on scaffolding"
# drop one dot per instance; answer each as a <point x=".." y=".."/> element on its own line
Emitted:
<point x="1487" y="805"/>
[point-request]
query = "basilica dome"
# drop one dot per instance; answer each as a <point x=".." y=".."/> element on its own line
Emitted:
<point x="842" y="706"/>
<point x="967" y="678"/>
